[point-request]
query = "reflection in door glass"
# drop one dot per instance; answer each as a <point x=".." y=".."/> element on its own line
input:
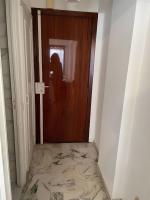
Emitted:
<point x="60" y="52"/>
<point x="66" y="51"/>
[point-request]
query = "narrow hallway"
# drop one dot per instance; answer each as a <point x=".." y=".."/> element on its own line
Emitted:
<point x="64" y="172"/>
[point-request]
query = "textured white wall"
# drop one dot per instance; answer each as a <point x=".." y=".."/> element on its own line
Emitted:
<point x="123" y="13"/>
<point x="132" y="173"/>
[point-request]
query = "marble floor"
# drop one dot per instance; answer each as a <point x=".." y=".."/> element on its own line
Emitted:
<point x="16" y="192"/>
<point x="64" y="172"/>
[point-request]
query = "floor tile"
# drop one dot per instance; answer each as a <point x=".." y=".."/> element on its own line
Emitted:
<point x="64" y="172"/>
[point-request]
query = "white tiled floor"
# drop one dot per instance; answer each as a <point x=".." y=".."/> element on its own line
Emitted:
<point x="64" y="172"/>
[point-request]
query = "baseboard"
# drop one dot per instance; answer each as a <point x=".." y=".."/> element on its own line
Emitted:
<point x="103" y="181"/>
<point x="105" y="187"/>
<point x="96" y="148"/>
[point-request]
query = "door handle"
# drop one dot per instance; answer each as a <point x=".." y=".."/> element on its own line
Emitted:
<point x="51" y="73"/>
<point x="46" y="86"/>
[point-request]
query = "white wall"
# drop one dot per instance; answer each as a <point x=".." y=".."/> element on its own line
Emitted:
<point x="101" y="51"/>
<point x="27" y="2"/>
<point x="83" y="5"/>
<point x="123" y="13"/>
<point x="132" y="173"/>
<point x="38" y="3"/>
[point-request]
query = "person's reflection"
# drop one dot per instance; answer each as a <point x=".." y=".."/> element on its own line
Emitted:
<point x="56" y="76"/>
<point x="56" y="68"/>
<point x="57" y="89"/>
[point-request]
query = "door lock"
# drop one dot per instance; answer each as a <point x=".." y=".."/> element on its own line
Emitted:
<point x="40" y="87"/>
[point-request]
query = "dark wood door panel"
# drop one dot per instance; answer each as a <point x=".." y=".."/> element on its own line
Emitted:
<point x="68" y="42"/>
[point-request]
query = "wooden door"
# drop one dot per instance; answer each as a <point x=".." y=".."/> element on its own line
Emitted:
<point x="68" y="40"/>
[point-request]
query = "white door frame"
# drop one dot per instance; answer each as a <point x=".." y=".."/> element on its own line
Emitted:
<point x="40" y="75"/>
<point x="5" y="186"/>
<point x="17" y="57"/>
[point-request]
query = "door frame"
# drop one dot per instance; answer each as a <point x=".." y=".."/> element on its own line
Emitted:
<point x="5" y="186"/>
<point x="38" y="62"/>
<point x="17" y="56"/>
